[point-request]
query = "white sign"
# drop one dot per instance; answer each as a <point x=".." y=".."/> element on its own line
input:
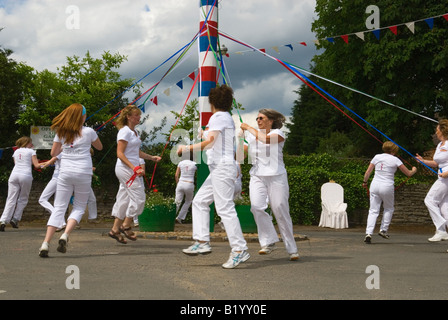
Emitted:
<point x="42" y="137"/>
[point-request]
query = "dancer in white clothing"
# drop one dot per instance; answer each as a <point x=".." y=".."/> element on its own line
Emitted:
<point x="184" y="177"/>
<point x="268" y="178"/>
<point x="382" y="188"/>
<point x="50" y="188"/>
<point x="74" y="141"/>
<point x="437" y="198"/>
<point x="220" y="184"/>
<point x="130" y="199"/>
<point x="19" y="183"/>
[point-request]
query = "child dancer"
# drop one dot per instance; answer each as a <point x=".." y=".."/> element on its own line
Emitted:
<point x="19" y="183"/>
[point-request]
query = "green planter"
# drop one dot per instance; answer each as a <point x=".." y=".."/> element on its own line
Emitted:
<point x="158" y="218"/>
<point x="246" y="218"/>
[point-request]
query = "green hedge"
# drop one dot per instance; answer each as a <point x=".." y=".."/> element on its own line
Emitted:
<point x="307" y="173"/>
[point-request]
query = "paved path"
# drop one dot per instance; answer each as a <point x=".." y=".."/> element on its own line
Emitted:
<point x="334" y="264"/>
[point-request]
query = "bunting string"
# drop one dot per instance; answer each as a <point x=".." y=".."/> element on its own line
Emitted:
<point x="345" y="37"/>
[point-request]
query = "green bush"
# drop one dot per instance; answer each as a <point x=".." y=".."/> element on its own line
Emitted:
<point x="307" y="173"/>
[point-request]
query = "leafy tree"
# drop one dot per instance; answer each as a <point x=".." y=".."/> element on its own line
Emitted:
<point x="407" y="69"/>
<point x="13" y="77"/>
<point x="93" y="82"/>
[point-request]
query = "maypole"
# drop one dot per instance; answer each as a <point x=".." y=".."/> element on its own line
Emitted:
<point x="208" y="40"/>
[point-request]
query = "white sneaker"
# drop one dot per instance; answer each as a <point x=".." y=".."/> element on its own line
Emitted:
<point x="294" y="256"/>
<point x="267" y="249"/>
<point x="62" y="248"/>
<point x="235" y="259"/>
<point x="198" y="248"/>
<point x="43" y="251"/>
<point x="439" y="236"/>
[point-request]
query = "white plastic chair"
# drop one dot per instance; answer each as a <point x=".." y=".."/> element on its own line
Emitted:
<point x="334" y="213"/>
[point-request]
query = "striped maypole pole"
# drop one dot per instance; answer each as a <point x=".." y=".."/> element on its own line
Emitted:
<point x="208" y="40"/>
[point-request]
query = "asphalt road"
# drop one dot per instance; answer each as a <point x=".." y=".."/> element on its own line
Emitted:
<point x="334" y="265"/>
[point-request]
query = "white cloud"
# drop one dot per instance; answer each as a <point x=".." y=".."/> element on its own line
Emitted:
<point x="37" y="33"/>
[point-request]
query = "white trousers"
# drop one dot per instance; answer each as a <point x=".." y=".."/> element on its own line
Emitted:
<point x="185" y="190"/>
<point x="437" y="203"/>
<point x="50" y="190"/>
<point x="218" y="188"/>
<point x="78" y="185"/>
<point x="47" y="193"/>
<point x="277" y="189"/>
<point x="19" y="187"/>
<point x="130" y="201"/>
<point x="380" y="194"/>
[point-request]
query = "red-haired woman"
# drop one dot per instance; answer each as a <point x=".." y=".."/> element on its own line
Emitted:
<point x="74" y="141"/>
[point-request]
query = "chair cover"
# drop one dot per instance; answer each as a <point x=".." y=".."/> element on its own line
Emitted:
<point x="334" y="213"/>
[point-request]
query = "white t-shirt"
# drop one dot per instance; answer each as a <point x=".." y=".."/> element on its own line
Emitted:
<point x="132" y="151"/>
<point x="187" y="170"/>
<point x="23" y="161"/>
<point x="76" y="157"/>
<point x="266" y="158"/>
<point x="223" y="150"/>
<point x="385" y="167"/>
<point x="441" y="156"/>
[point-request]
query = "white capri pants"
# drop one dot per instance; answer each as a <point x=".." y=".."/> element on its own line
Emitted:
<point x="277" y="189"/>
<point x="78" y="185"/>
<point x="19" y="187"/>
<point x="380" y="193"/>
<point x="184" y="189"/>
<point x="130" y="201"/>
<point x="218" y="188"/>
<point x="437" y="203"/>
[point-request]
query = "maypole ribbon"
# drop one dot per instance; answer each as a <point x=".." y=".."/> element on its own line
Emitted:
<point x="132" y="178"/>
<point x="360" y="92"/>
<point x="308" y="82"/>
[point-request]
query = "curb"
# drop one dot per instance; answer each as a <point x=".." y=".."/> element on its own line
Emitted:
<point x="215" y="237"/>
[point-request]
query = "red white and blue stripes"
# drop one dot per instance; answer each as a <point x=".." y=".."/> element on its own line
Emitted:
<point x="208" y="40"/>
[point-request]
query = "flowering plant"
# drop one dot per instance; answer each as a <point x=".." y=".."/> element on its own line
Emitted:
<point x="242" y="200"/>
<point x="156" y="198"/>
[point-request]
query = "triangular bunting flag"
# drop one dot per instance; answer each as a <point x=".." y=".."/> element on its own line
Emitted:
<point x="276" y="49"/>
<point x="154" y="100"/>
<point x="289" y="46"/>
<point x="142" y="107"/>
<point x="376" y="33"/>
<point x="180" y="84"/>
<point x="360" y="35"/>
<point x="446" y="16"/>
<point x="330" y="40"/>
<point x="345" y="38"/>
<point x="411" y="26"/>
<point x="430" y="22"/>
<point x="167" y="92"/>
<point x="263" y="50"/>
<point x="316" y="42"/>
<point x="191" y="76"/>
<point x="303" y="43"/>
<point x="393" y="29"/>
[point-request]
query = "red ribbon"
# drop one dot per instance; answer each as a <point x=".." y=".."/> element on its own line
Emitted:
<point x="131" y="180"/>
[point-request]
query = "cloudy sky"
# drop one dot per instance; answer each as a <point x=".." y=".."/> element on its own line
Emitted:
<point x="42" y="33"/>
